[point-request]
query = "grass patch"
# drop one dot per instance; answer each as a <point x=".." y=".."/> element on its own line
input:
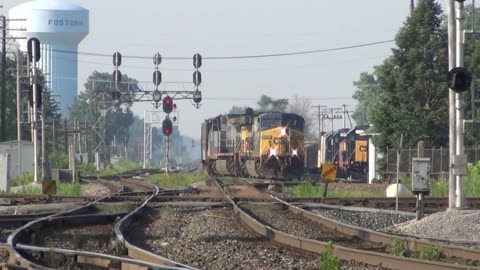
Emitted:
<point x="67" y="189"/>
<point x="308" y="189"/>
<point x="431" y="253"/>
<point x="439" y="188"/>
<point x="26" y="180"/>
<point x="328" y="261"/>
<point x="121" y="166"/>
<point x="115" y="208"/>
<point x="175" y="180"/>
<point x="396" y="248"/>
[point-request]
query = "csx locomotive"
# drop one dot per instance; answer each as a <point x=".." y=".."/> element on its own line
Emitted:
<point x="266" y="145"/>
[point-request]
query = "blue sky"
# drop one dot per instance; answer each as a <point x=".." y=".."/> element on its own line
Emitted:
<point x="248" y="27"/>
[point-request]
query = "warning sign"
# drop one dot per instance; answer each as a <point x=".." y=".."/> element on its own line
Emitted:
<point x="329" y="171"/>
<point x="49" y="187"/>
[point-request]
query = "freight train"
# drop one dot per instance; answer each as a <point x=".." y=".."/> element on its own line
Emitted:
<point x="266" y="145"/>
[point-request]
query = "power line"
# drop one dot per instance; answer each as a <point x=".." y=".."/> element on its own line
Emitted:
<point x="241" y="56"/>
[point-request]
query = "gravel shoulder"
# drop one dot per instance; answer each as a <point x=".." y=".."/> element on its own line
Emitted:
<point x="460" y="227"/>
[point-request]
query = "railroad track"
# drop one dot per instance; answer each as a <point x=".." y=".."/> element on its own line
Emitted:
<point x="348" y="254"/>
<point x="24" y="255"/>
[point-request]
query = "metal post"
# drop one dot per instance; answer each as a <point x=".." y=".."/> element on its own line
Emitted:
<point x="54" y="135"/>
<point x="167" y="153"/>
<point x="44" y="149"/>
<point x="398" y="169"/>
<point x="34" y="120"/>
<point x="19" y="116"/>
<point x="3" y="97"/>
<point x="451" y="103"/>
<point x="460" y="149"/>
<point x="344" y="115"/>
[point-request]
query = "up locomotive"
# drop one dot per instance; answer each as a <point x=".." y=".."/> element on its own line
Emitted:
<point x="265" y="145"/>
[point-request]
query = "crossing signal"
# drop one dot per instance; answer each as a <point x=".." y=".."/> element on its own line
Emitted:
<point x="167" y="105"/>
<point x="167" y="127"/>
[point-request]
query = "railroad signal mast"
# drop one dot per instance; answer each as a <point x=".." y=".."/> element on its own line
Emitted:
<point x="35" y="95"/>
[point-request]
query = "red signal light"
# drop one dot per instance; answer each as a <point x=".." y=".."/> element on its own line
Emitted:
<point x="174" y="107"/>
<point x="167" y="105"/>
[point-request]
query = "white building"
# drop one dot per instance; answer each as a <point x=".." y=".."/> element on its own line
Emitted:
<point x="60" y="26"/>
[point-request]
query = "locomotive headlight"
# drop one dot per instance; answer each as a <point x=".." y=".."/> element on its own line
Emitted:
<point x="272" y="152"/>
<point x="283" y="132"/>
<point x="294" y="152"/>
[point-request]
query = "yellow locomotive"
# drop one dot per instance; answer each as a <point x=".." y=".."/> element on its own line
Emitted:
<point x="267" y="145"/>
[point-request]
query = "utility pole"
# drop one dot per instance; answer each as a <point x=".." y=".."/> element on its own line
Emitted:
<point x="3" y="96"/>
<point x="19" y="116"/>
<point x="460" y="149"/>
<point x="412" y="6"/>
<point x="451" y="104"/>
<point x="320" y="119"/>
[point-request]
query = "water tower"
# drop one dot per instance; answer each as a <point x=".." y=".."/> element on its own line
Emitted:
<point x="60" y="26"/>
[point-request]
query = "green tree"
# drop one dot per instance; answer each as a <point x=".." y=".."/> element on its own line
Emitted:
<point x="98" y="94"/>
<point x="237" y="109"/>
<point x="268" y="104"/>
<point x="366" y="95"/>
<point x="412" y="97"/>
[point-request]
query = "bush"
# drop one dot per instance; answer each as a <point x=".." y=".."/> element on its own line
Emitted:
<point x="328" y="261"/>
<point x="58" y="160"/>
<point x="431" y="253"/>
<point x="396" y="248"/>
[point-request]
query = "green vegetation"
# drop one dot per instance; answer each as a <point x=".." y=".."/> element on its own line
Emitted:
<point x="175" y="180"/>
<point x="396" y="248"/>
<point x="115" y="207"/>
<point x="25" y="182"/>
<point x="431" y="253"/>
<point x="58" y="160"/>
<point x="439" y="188"/>
<point x="308" y="189"/>
<point x="66" y="189"/>
<point x="167" y="209"/>
<point x="328" y="261"/>
<point x="122" y="165"/>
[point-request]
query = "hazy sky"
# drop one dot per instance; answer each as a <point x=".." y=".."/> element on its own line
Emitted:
<point x="234" y="28"/>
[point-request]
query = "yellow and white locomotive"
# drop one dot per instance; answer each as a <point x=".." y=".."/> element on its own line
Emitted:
<point x="269" y="145"/>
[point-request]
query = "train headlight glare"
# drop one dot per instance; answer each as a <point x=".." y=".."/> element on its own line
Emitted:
<point x="272" y="152"/>
<point x="283" y="131"/>
<point x="294" y="152"/>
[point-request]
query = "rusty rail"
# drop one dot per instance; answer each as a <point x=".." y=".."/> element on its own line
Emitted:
<point x="378" y="237"/>
<point x="74" y="216"/>
<point x="344" y="253"/>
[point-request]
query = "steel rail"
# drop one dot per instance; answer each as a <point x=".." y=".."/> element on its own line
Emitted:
<point x="67" y="216"/>
<point x="14" y="238"/>
<point x="97" y="258"/>
<point x="344" y="253"/>
<point x="134" y="251"/>
<point x="412" y="243"/>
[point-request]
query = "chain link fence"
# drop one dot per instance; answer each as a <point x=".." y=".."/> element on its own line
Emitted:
<point x="439" y="160"/>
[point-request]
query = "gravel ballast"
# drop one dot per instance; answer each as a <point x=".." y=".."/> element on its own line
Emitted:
<point x="457" y="226"/>
<point x="213" y="238"/>
<point x="372" y="220"/>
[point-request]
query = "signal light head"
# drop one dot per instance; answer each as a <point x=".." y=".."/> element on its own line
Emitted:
<point x="167" y="127"/>
<point x="167" y="104"/>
